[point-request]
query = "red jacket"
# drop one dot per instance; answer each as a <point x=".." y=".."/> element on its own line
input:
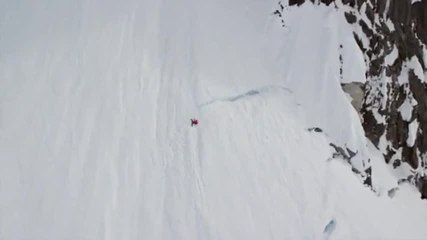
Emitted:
<point x="194" y="121"/>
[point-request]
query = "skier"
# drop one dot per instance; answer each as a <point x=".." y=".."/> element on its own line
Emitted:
<point x="194" y="122"/>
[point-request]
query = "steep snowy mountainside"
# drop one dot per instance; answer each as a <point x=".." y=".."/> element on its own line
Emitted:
<point x="95" y="138"/>
<point x="320" y="86"/>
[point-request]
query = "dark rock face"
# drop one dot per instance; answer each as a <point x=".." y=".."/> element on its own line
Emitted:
<point x="350" y="17"/>
<point x="296" y="2"/>
<point x="299" y="2"/>
<point x="395" y="104"/>
<point x="392" y="34"/>
<point x="422" y="185"/>
<point x="419" y="16"/>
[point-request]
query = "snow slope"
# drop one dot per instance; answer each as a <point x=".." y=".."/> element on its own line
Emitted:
<point x="95" y="136"/>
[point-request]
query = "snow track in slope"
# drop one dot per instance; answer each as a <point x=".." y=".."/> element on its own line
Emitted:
<point x="249" y="93"/>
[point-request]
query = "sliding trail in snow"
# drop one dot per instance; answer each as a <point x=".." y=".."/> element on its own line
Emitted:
<point x="247" y="94"/>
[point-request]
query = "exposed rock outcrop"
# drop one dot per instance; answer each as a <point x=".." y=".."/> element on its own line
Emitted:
<point x="395" y="104"/>
<point x="356" y="91"/>
<point x="392" y="34"/>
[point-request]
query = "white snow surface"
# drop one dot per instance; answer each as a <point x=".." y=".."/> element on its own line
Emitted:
<point x="95" y="140"/>
<point x="354" y="67"/>
<point x="406" y="108"/>
<point x="412" y="133"/>
<point x="391" y="58"/>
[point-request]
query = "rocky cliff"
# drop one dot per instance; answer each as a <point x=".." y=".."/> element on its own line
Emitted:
<point x="392" y="34"/>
